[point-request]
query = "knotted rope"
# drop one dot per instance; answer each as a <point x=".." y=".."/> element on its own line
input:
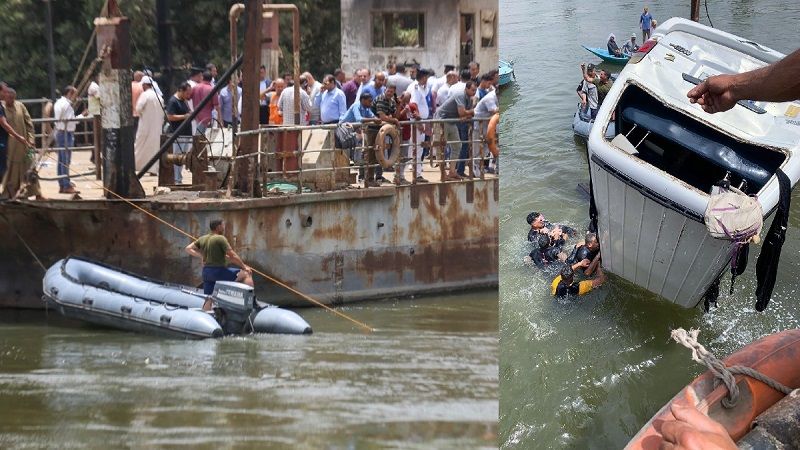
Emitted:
<point x="722" y="372"/>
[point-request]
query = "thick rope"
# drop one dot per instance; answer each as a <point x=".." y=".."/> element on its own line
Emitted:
<point x="699" y="354"/>
<point x="28" y="247"/>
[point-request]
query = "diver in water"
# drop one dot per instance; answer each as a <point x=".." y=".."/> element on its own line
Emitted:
<point x="541" y="226"/>
<point x="588" y="249"/>
<point x="545" y="252"/>
<point x="564" y="284"/>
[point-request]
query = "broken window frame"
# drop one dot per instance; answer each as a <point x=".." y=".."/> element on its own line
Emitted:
<point x="380" y="36"/>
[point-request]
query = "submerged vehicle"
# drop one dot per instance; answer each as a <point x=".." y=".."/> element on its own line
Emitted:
<point x="652" y="182"/>
<point x="760" y="416"/>
<point x="606" y="56"/>
<point x="89" y="291"/>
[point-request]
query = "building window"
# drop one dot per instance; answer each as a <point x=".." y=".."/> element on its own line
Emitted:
<point x="488" y="28"/>
<point x="398" y="29"/>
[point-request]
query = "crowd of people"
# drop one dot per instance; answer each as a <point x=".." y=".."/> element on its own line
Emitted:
<point x="366" y="101"/>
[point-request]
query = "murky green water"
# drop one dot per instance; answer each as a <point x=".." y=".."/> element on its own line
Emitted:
<point x="426" y="379"/>
<point x="589" y="374"/>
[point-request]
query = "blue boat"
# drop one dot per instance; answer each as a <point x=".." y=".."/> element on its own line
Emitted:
<point x="506" y="72"/>
<point x="607" y="57"/>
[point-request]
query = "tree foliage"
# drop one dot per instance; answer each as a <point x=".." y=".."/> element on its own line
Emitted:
<point x="200" y="34"/>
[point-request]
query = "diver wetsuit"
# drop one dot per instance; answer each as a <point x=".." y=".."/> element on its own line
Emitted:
<point x="580" y="253"/>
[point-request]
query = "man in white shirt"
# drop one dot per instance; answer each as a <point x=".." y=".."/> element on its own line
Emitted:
<point x="151" y="123"/>
<point x="420" y="96"/>
<point x="485" y="109"/>
<point x="65" y="137"/>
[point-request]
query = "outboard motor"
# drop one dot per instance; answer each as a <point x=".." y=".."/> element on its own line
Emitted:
<point x="238" y="312"/>
<point x="234" y="304"/>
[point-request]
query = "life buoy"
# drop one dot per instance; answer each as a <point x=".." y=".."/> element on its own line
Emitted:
<point x="774" y="356"/>
<point x="491" y="135"/>
<point x="380" y="145"/>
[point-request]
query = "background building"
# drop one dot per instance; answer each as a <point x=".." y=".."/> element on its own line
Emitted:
<point x="432" y="34"/>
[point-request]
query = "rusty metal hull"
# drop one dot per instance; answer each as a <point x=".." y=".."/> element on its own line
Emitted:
<point x="338" y="246"/>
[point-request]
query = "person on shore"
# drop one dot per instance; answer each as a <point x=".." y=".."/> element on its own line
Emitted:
<point x="474" y="72"/>
<point x="404" y="115"/>
<point x="420" y="98"/>
<point x="313" y="88"/>
<point x="564" y="284"/>
<point x="777" y="82"/>
<point x="6" y="131"/>
<point x="64" y="116"/>
<point x="385" y="108"/>
<point x="151" y="122"/>
<point x="149" y="73"/>
<point x="377" y="86"/>
<point x="212" y="69"/>
<point x="226" y="105"/>
<point x="286" y="107"/>
<point x="457" y="106"/>
<point x="484" y="110"/>
<point x="340" y="78"/>
<point x="646" y="21"/>
<point x="399" y="79"/>
<point x="613" y="48"/>
<point x="215" y="252"/>
<point x="177" y="111"/>
<point x="630" y="47"/>
<point x="136" y="91"/>
<point x="200" y="91"/>
<point x="272" y="95"/>
<point x="361" y="113"/>
<point x="351" y="88"/>
<point x="331" y="101"/>
<point x="264" y="84"/>
<point x="16" y="181"/>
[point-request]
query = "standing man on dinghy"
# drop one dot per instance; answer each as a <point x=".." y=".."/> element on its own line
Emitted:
<point x="214" y="250"/>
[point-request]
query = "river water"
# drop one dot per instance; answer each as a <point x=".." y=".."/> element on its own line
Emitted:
<point x="427" y="378"/>
<point x="589" y="374"/>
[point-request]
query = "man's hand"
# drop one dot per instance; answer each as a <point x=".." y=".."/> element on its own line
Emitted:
<point x="693" y="430"/>
<point x="584" y="263"/>
<point x="715" y="94"/>
<point x="248" y="269"/>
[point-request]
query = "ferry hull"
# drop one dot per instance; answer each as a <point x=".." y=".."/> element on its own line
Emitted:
<point x="337" y="247"/>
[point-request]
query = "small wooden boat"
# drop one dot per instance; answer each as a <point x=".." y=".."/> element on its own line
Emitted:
<point x="776" y="356"/>
<point x="506" y="72"/>
<point x="607" y="57"/>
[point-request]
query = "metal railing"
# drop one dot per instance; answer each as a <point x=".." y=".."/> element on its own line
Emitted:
<point x="281" y="150"/>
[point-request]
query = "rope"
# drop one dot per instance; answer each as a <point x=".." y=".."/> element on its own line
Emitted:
<point x="193" y="238"/>
<point x="725" y="373"/>
<point x="24" y="243"/>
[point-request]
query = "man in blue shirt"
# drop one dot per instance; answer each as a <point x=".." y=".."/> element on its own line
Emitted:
<point x="377" y="86"/>
<point x="263" y="86"/>
<point x="361" y="113"/>
<point x="331" y="101"/>
<point x="645" y="20"/>
<point x="226" y="104"/>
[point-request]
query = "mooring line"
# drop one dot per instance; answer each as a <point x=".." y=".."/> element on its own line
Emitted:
<point x="28" y="247"/>
<point x="164" y="222"/>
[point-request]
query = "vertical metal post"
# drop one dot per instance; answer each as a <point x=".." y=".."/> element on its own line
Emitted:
<point x="442" y="151"/>
<point x="51" y="64"/>
<point x="414" y="153"/>
<point x="481" y="141"/>
<point x="471" y="158"/>
<point x="164" y="27"/>
<point x="696" y="10"/>
<point x="97" y="135"/>
<point x="250" y="94"/>
<point x="299" y="155"/>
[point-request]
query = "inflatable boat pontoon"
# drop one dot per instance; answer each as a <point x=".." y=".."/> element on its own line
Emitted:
<point x="103" y="295"/>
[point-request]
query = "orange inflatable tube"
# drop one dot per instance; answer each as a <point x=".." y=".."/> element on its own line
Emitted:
<point x="491" y="135"/>
<point x="776" y="355"/>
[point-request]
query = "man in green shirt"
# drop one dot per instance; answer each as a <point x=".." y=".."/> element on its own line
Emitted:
<point x="213" y="249"/>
